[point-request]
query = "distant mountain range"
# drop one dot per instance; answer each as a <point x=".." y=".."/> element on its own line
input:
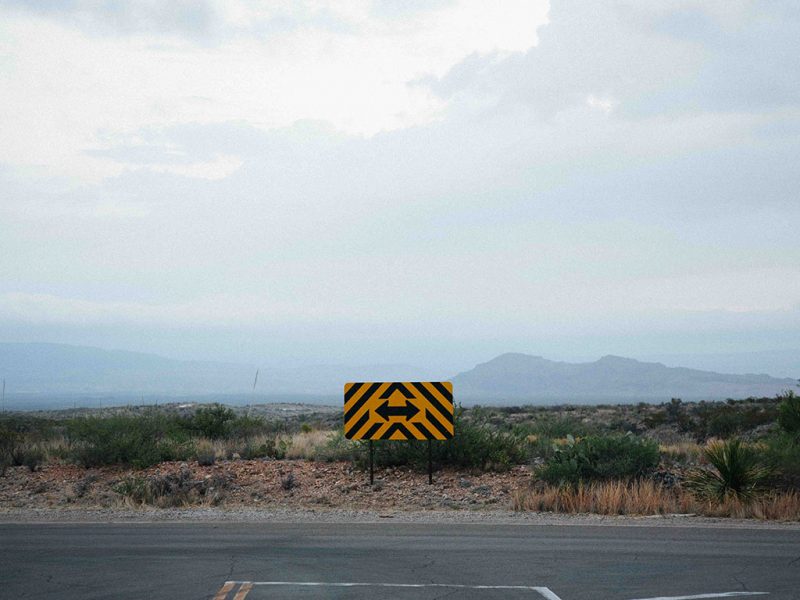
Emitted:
<point x="59" y="371"/>
<point x="522" y="376"/>
<point x="41" y="368"/>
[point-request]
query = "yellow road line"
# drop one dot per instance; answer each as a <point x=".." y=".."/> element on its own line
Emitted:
<point x="223" y="591"/>
<point x="243" y="591"/>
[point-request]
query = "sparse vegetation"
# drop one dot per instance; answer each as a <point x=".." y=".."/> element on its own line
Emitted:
<point x="737" y="472"/>
<point x="734" y="458"/>
<point x="172" y="489"/>
<point x="649" y="498"/>
<point x="600" y="458"/>
<point x="789" y="414"/>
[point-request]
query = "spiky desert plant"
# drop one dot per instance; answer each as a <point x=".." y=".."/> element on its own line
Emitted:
<point x="737" y="472"/>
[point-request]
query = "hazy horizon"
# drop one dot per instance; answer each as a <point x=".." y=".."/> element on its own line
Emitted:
<point x="434" y="184"/>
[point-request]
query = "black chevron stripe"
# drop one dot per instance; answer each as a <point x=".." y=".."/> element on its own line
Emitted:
<point x="446" y="413"/>
<point x="398" y="427"/>
<point x="360" y="402"/>
<point x="353" y="389"/>
<point x="371" y="431"/>
<point x="349" y="433"/>
<point x="421" y="425"/>
<point x="442" y="389"/>
<point x="397" y="387"/>
<point x="439" y="426"/>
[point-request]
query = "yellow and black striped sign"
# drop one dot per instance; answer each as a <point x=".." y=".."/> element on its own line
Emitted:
<point x="398" y="411"/>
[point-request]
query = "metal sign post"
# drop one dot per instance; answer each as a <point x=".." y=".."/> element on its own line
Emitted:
<point x="371" y="462"/>
<point x="430" y="463"/>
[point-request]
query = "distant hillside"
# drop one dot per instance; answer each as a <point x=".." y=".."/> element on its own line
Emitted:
<point x="58" y="368"/>
<point x="62" y="369"/>
<point x="521" y="376"/>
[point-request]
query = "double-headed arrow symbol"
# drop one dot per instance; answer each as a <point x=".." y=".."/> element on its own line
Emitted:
<point x="385" y="411"/>
<point x="408" y="410"/>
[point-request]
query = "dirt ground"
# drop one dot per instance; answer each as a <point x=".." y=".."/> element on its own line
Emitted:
<point x="263" y="484"/>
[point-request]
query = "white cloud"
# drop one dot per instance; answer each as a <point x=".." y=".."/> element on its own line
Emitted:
<point x="66" y="91"/>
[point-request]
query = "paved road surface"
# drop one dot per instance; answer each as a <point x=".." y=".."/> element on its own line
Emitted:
<point x="266" y="560"/>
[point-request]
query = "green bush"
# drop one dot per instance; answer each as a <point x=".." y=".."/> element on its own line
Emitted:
<point x="600" y="458"/>
<point x="476" y="445"/>
<point x="782" y="454"/>
<point x="140" y="441"/>
<point x="789" y="413"/>
<point x="212" y="421"/>
<point x="723" y="420"/>
<point x="33" y="458"/>
<point x="738" y="472"/>
<point x="205" y="454"/>
<point x="268" y="449"/>
<point x="20" y="436"/>
<point x="337" y="448"/>
<point x="554" y="427"/>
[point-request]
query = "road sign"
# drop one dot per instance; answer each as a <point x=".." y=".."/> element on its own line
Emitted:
<point x="413" y="410"/>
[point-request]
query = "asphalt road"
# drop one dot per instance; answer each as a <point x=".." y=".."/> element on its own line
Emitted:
<point x="396" y="560"/>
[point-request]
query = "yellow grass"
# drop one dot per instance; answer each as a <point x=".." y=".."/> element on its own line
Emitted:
<point x="307" y="445"/>
<point x="650" y="498"/>
<point x="681" y="451"/>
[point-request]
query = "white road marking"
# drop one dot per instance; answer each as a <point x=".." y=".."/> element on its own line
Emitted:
<point x="542" y="591"/>
<point x="700" y="596"/>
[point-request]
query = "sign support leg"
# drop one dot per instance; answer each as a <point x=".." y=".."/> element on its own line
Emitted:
<point x="430" y="463"/>
<point x="371" y="462"/>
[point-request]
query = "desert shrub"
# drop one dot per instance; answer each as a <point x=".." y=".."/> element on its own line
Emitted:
<point x="140" y="441"/>
<point x="476" y="445"/>
<point x="82" y="486"/>
<point x="32" y="457"/>
<point x="336" y="447"/>
<point x="782" y="454"/>
<point x="20" y="435"/>
<point x="12" y="444"/>
<point x="243" y="427"/>
<point x="600" y="458"/>
<point x="289" y="482"/>
<point x="723" y="420"/>
<point x="172" y="489"/>
<point x="789" y="413"/>
<point x="204" y="453"/>
<point x="737" y="472"/>
<point x="211" y="421"/>
<point x="269" y="447"/>
<point x="5" y="462"/>
<point x="555" y="427"/>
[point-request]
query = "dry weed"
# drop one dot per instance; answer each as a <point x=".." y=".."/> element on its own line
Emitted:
<point x="649" y="498"/>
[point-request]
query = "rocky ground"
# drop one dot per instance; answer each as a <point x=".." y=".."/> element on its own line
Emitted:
<point x="257" y="483"/>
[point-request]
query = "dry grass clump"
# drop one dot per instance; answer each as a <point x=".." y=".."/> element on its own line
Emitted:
<point x="646" y="497"/>
<point x="682" y="451"/>
<point x="606" y="498"/>
<point x="775" y="506"/>
<point x="306" y="445"/>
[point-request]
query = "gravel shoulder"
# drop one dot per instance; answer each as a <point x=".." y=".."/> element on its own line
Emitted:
<point x="296" y="491"/>
<point x="314" y="515"/>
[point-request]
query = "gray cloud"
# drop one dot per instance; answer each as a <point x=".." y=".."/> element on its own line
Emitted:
<point x="627" y="186"/>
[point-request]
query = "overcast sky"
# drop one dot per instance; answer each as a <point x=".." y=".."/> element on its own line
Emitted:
<point x="417" y="182"/>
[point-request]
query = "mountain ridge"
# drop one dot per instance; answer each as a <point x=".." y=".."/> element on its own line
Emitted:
<point x="44" y="368"/>
<point x="517" y="375"/>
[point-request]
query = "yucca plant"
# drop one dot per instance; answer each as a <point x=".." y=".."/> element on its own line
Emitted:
<point x="738" y="472"/>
